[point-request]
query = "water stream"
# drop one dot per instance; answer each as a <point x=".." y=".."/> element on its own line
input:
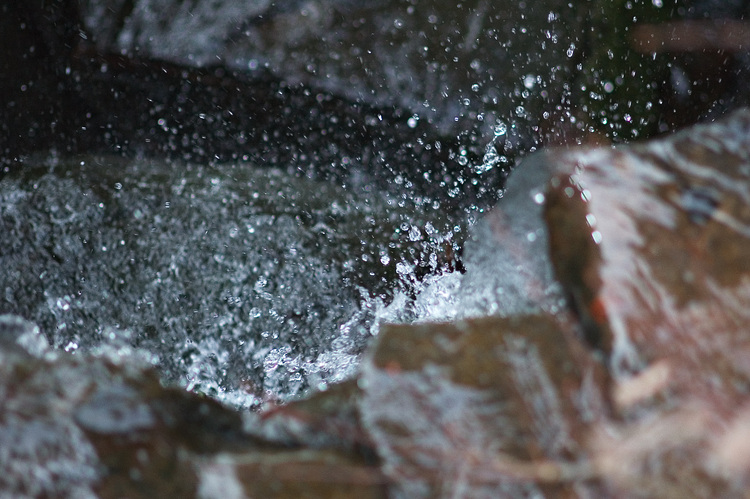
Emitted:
<point x="243" y="283"/>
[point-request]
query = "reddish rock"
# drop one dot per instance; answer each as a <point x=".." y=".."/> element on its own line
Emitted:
<point x="80" y="425"/>
<point x="482" y="408"/>
<point x="651" y="244"/>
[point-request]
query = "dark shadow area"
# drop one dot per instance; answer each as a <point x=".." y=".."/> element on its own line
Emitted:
<point x="61" y="94"/>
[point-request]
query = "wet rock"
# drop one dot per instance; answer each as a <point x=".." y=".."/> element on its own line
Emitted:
<point x="482" y="407"/>
<point x="508" y="270"/>
<point x="103" y="426"/>
<point x="640" y="391"/>
<point x="457" y="66"/>
<point x="79" y="100"/>
<point x="326" y="419"/>
<point x="647" y="242"/>
<point x="650" y="242"/>
<point x="544" y="68"/>
<point x="290" y="474"/>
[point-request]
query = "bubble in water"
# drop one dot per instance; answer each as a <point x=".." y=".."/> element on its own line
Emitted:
<point x="491" y="158"/>
<point x="500" y="129"/>
<point x="63" y="303"/>
<point x="403" y="269"/>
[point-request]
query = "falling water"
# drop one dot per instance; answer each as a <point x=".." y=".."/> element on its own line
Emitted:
<point x="241" y="283"/>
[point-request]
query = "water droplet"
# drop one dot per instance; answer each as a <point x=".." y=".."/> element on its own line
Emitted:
<point x="403" y="269"/>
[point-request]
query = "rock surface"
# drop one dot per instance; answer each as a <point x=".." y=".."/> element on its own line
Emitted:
<point x="103" y="426"/>
<point x="650" y="243"/>
<point x="207" y="78"/>
<point x="488" y="407"/>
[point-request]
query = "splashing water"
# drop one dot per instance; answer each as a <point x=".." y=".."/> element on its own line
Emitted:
<point x="241" y="283"/>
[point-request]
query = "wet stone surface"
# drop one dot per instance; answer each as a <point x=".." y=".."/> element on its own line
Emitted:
<point x="81" y="425"/>
<point x="651" y="242"/>
<point x="487" y="407"/>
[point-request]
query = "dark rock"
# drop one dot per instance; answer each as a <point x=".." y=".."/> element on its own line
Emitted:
<point x="80" y="100"/>
<point x="290" y="474"/>
<point x="457" y="66"/>
<point x="328" y="418"/>
<point x="544" y="68"/>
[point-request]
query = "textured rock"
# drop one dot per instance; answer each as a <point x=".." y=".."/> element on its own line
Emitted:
<point x="650" y="243"/>
<point x="103" y="426"/>
<point x="482" y="407"/>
